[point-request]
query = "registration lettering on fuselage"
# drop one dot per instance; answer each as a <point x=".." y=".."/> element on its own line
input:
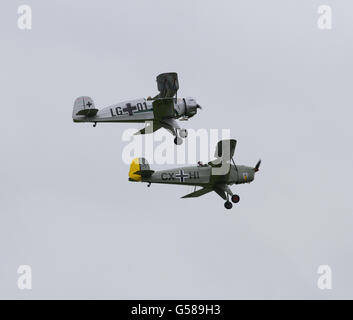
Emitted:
<point x="181" y="175"/>
<point x="128" y="109"/>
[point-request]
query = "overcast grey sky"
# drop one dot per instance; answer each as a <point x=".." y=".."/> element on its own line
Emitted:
<point x="261" y="68"/>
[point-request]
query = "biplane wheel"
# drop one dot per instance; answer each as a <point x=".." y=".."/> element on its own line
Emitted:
<point x="228" y="205"/>
<point x="178" y="141"/>
<point x="235" y="198"/>
<point x="183" y="133"/>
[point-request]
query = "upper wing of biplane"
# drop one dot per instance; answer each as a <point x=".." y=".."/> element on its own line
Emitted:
<point x="224" y="152"/>
<point x="167" y="84"/>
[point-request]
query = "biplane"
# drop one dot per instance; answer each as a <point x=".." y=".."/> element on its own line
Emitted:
<point x="161" y="111"/>
<point x="216" y="175"/>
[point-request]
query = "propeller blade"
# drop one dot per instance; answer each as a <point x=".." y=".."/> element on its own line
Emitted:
<point x="257" y="167"/>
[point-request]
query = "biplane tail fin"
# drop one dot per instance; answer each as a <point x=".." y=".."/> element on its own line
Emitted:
<point x="139" y="170"/>
<point x="83" y="107"/>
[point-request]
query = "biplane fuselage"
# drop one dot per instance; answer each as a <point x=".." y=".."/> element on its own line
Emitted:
<point x="137" y="110"/>
<point x="201" y="175"/>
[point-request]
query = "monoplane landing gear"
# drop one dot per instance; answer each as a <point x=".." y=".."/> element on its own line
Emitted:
<point x="178" y="141"/>
<point x="235" y="198"/>
<point x="149" y="184"/>
<point x="95" y="124"/>
<point x="228" y="205"/>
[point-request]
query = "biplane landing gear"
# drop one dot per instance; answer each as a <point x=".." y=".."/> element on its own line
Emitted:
<point x="95" y="124"/>
<point x="178" y="141"/>
<point x="235" y="198"/>
<point x="183" y="133"/>
<point x="149" y="184"/>
<point x="228" y="205"/>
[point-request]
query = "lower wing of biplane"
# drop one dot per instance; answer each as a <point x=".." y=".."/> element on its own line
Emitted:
<point x="164" y="117"/>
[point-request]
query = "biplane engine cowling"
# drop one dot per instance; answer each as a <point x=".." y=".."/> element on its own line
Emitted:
<point x="245" y="174"/>
<point x="191" y="107"/>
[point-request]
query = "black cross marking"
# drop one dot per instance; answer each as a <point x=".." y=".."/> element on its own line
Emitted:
<point x="181" y="175"/>
<point x="129" y="109"/>
<point x="89" y="104"/>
